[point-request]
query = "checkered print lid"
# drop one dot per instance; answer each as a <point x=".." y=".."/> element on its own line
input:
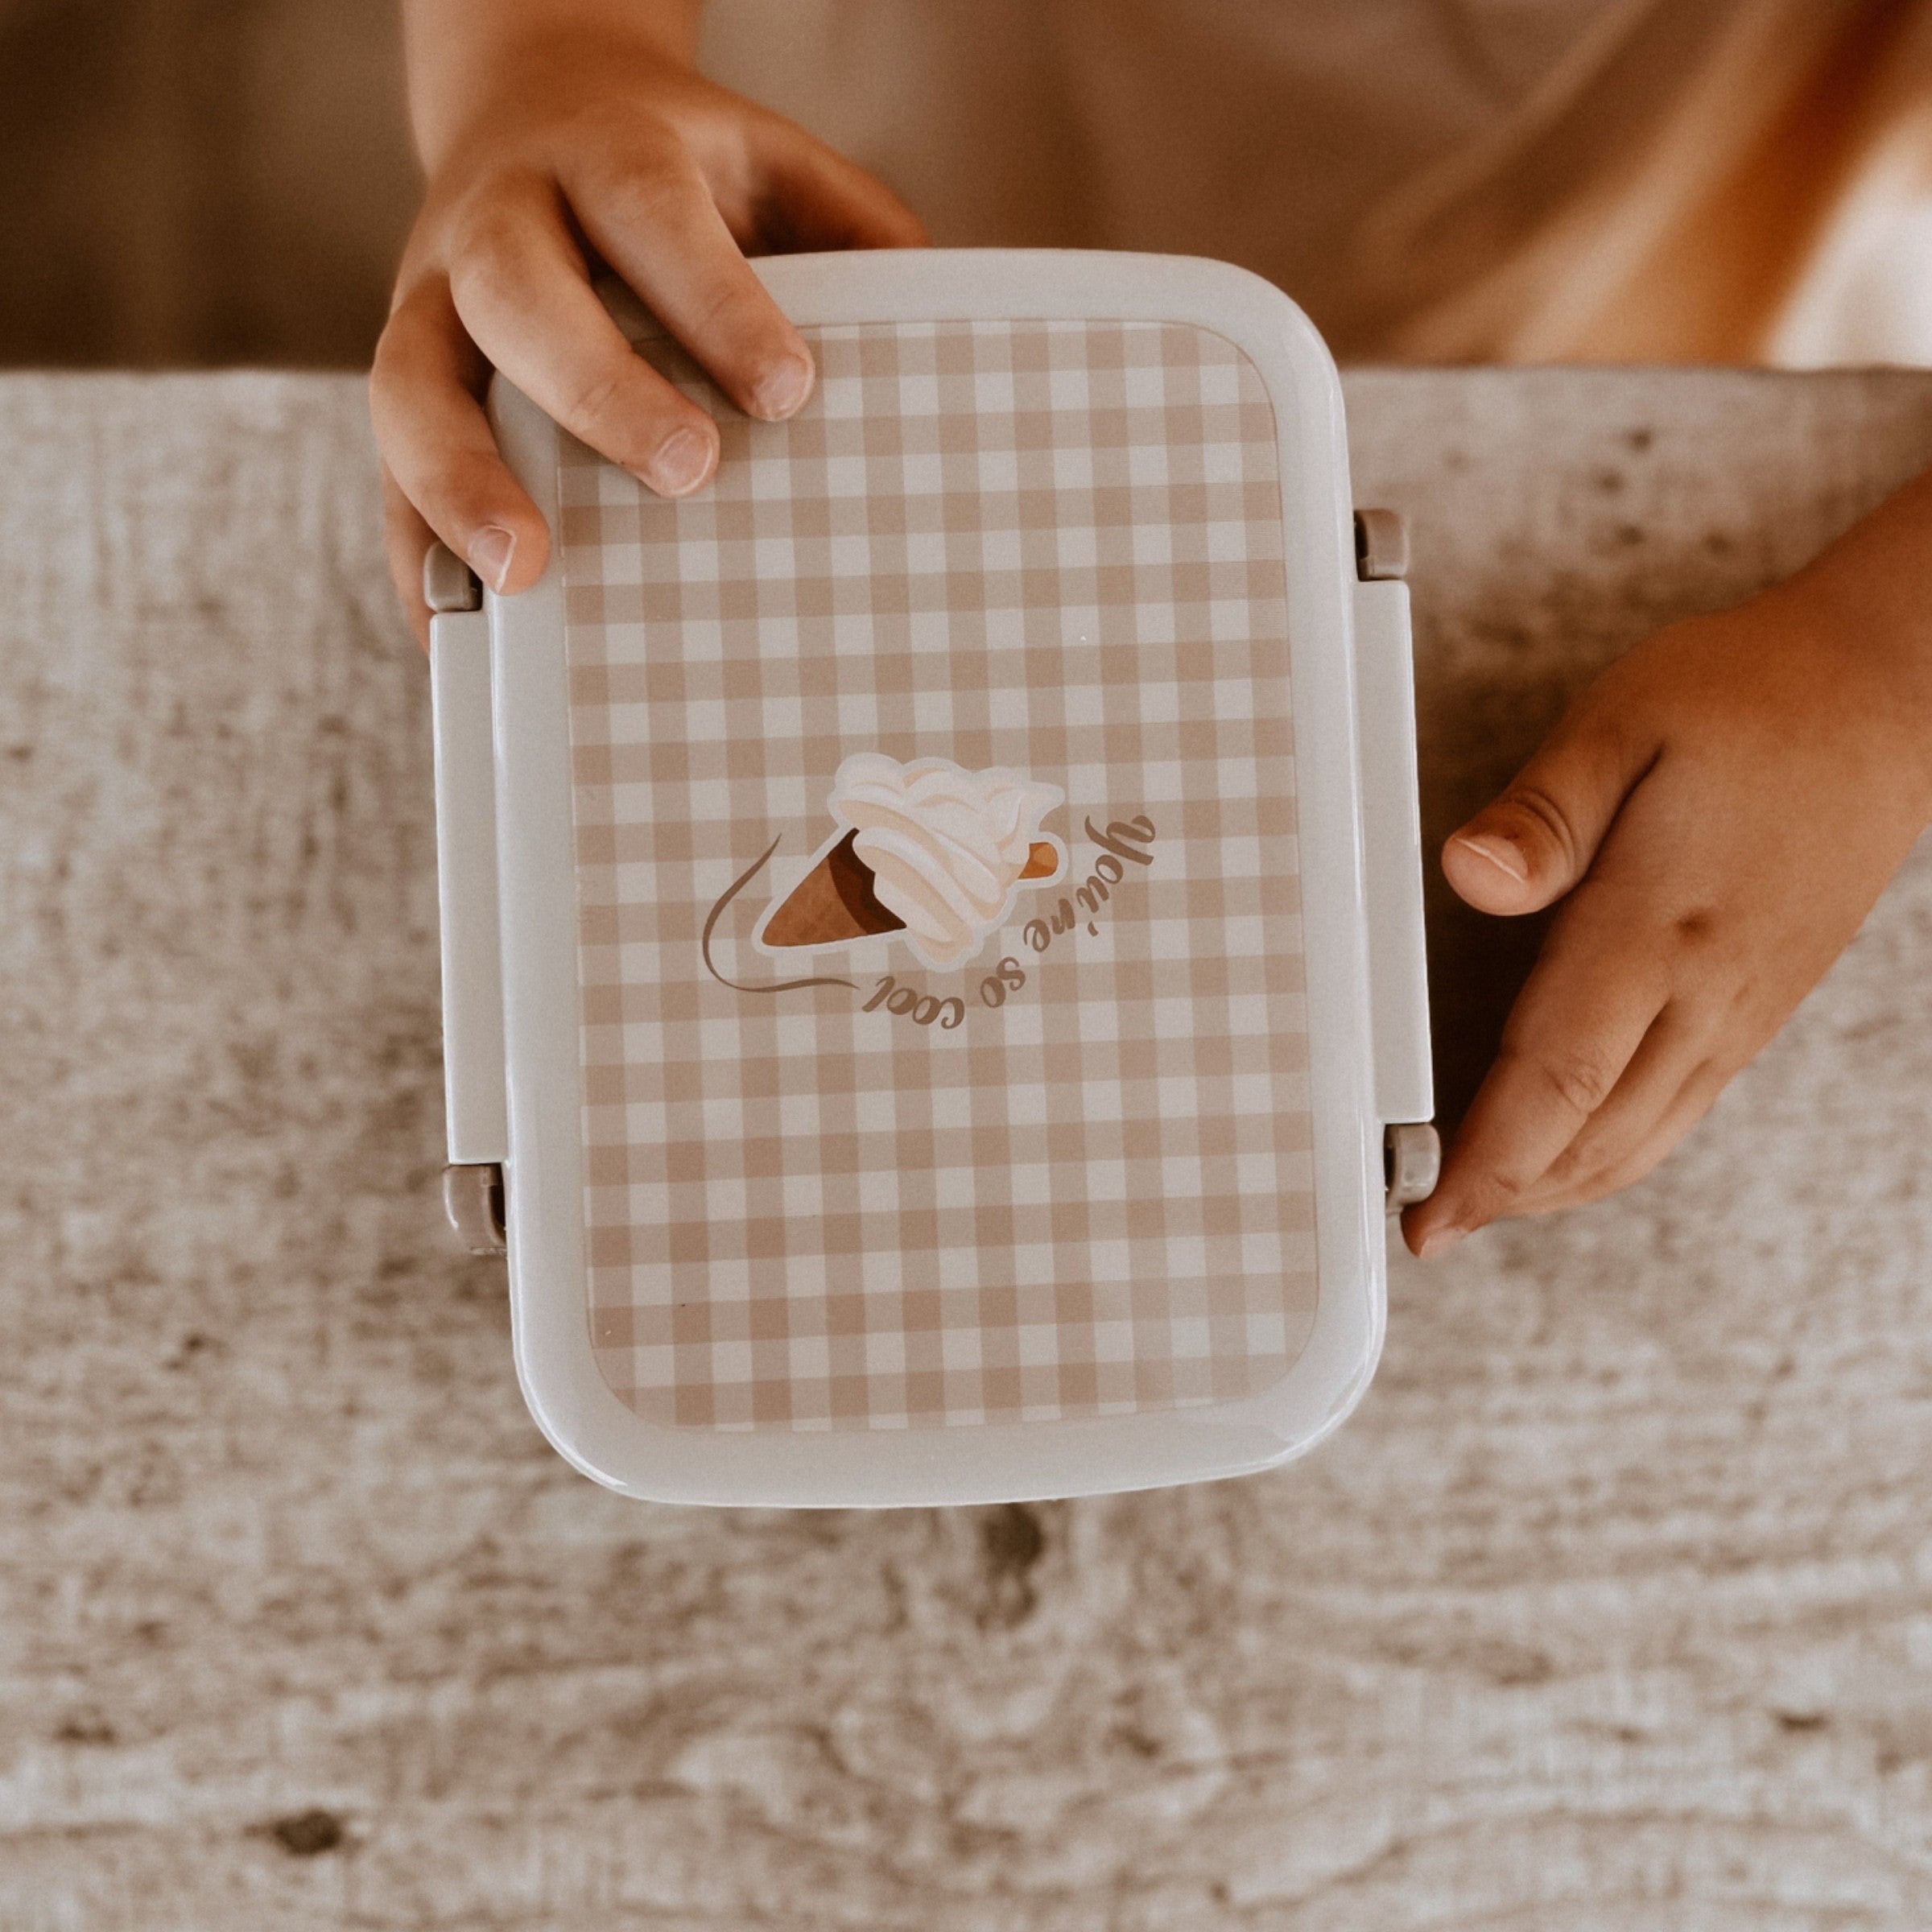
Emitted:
<point x="989" y="642"/>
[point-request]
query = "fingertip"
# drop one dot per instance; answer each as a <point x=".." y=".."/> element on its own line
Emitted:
<point x="1411" y="1224"/>
<point x="532" y="554"/>
<point x="492" y="552"/>
<point x="1502" y="862"/>
<point x="1488" y="872"/>
<point x="510" y="555"/>
<point x="785" y="386"/>
<point x="686" y="461"/>
<point x="1497" y="851"/>
<point x="1431" y="1229"/>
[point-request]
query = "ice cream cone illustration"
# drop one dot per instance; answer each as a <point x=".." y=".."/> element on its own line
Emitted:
<point x="926" y="847"/>
<point x="833" y="901"/>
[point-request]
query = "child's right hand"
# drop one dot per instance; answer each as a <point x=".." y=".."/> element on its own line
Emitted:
<point x="555" y="136"/>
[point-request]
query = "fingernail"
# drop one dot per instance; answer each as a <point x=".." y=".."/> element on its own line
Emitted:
<point x="782" y="388"/>
<point x="682" y="463"/>
<point x="1503" y="853"/>
<point x="1439" y="1243"/>
<point x="490" y="550"/>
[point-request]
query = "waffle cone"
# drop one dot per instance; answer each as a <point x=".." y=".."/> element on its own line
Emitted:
<point x="834" y="901"/>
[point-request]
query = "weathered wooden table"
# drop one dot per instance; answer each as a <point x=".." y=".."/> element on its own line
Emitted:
<point x="1612" y="1608"/>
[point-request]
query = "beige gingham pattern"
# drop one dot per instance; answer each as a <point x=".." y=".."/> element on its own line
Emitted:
<point x="1051" y="547"/>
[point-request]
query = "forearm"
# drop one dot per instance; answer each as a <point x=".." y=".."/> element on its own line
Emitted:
<point x="1873" y="586"/>
<point x="1865" y="602"/>
<point x="455" y="50"/>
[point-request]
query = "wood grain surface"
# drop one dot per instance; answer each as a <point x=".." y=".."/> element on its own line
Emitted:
<point x="1612" y="1608"/>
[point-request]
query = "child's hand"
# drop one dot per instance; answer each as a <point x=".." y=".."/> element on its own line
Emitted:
<point x="556" y="133"/>
<point x="1723" y="807"/>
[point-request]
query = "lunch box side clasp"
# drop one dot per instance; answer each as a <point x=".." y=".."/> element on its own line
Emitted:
<point x="466" y="873"/>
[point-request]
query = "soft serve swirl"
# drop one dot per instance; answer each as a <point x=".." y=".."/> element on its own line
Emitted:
<point x="946" y="846"/>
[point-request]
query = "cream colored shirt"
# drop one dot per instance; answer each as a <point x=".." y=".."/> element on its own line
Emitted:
<point x="1433" y="178"/>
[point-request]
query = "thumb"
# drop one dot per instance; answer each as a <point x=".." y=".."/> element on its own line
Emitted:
<point x="1536" y="842"/>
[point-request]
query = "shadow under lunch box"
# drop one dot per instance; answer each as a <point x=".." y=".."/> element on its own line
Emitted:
<point x="933" y="977"/>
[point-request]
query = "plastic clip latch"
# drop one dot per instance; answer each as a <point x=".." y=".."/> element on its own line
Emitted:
<point x="466" y="879"/>
<point x="1392" y="850"/>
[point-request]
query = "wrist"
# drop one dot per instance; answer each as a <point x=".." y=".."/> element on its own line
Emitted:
<point x="1873" y="582"/>
<point x="458" y="53"/>
<point x="1875" y="648"/>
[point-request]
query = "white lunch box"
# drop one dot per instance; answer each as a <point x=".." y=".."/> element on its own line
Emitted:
<point x="933" y="981"/>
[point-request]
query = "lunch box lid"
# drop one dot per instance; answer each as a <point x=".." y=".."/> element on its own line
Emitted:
<point x="932" y="920"/>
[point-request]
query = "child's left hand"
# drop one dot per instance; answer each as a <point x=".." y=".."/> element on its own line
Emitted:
<point x="1722" y="808"/>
